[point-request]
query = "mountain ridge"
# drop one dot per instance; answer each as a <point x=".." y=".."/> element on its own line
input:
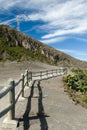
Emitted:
<point x="15" y="45"/>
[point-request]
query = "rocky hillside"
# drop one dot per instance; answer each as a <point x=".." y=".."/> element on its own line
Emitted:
<point x="15" y="45"/>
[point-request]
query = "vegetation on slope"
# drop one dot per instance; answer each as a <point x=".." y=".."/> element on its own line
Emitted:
<point x="20" y="54"/>
<point x="76" y="85"/>
<point x="15" y="45"/>
<point x="9" y="50"/>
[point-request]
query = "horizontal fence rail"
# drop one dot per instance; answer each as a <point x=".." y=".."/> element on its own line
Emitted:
<point x="22" y="83"/>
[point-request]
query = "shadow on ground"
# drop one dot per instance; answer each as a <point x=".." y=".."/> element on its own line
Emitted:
<point x="40" y="115"/>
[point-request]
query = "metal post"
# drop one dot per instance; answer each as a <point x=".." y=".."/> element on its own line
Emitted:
<point x="11" y="113"/>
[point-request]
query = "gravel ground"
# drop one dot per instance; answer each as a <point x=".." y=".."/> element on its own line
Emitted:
<point x="14" y="70"/>
<point x="47" y="107"/>
<point x="56" y="110"/>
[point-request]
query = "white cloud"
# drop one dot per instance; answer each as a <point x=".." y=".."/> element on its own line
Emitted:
<point x="80" y="39"/>
<point x="10" y="21"/>
<point x="7" y="4"/>
<point x="53" y="40"/>
<point x="70" y="19"/>
<point x="60" y="17"/>
<point x="25" y="4"/>
<point x="78" y="30"/>
<point x="78" y="54"/>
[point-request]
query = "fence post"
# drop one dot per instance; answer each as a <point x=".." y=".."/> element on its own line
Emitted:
<point x="27" y="77"/>
<point x="41" y="74"/>
<point x="11" y="113"/>
<point x="59" y="71"/>
<point x="30" y="75"/>
<point x="65" y="71"/>
<point x="47" y="73"/>
<point x="52" y="73"/>
<point x="56" y="72"/>
<point x="22" y="85"/>
<point x="30" y="78"/>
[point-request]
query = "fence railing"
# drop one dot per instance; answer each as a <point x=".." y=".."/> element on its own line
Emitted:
<point x="24" y="81"/>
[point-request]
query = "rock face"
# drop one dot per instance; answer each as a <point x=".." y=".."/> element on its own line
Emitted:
<point x="13" y="38"/>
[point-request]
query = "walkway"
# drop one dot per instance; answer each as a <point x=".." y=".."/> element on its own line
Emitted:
<point x="48" y="107"/>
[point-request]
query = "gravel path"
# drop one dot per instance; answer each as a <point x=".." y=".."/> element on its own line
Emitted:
<point x="14" y="70"/>
<point x="48" y="107"/>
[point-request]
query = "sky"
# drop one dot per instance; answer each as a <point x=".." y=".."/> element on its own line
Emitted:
<point x="61" y="24"/>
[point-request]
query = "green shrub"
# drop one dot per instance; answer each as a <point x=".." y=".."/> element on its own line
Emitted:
<point x="84" y="98"/>
<point x="83" y="89"/>
<point x="77" y="81"/>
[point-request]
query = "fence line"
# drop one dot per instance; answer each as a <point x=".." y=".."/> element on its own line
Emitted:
<point x="23" y="82"/>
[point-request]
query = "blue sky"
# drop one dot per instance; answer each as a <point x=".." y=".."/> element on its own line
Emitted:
<point x="61" y="24"/>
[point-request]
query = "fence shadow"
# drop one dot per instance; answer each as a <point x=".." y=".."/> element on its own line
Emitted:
<point x="40" y="115"/>
<point x="25" y="119"/>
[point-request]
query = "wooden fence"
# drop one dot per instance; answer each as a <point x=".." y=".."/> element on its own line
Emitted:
<point x="24" y="81"/>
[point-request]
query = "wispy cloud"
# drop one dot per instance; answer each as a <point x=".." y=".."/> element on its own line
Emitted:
<point x="81" y="39"/>
<point x="59" y="17"/>
<point x="10" y="21"/>
<point x="78" y="54"/>
<point x="5" y="5"/>
<point x="57" y="20"/>
<point x="62" y="32"/>
<point x="53" y="40"/>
